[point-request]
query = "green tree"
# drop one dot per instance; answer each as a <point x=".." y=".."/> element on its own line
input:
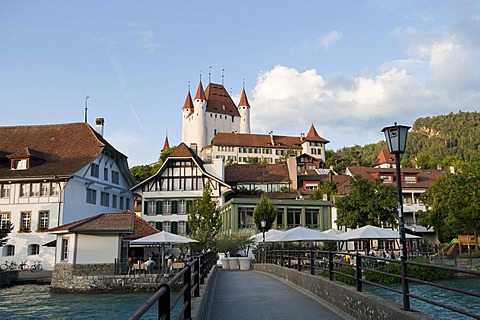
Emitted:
<point x="164" y="154"/>
<point x="328" y="187"/>
<point x="266" y="211"/>
<point x="453" y="203"/>
<point x="4" y="231"/>
<point x="369" y="202"/>
<point x="204" y="220"/>
<point x="141" y="173"/>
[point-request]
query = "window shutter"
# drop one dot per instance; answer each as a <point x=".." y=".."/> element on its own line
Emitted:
<point x="145" y="208"/>
<point x="159" y="226"/>
<point x="174" y="227"/>
<point x="174" y="206"/>
<point x="159" y="207"/>
<point x="187" y="228"/>
<point x="189" y="204"/>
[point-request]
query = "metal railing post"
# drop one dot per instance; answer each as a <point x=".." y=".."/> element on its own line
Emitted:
<point x="164" y="303"/>
<point x="196" y="277"/>
<point x="358" y="272"/>
<point x="330" y="265"/>
<point x="187" y="294"/>
<point x="312" y="260"/>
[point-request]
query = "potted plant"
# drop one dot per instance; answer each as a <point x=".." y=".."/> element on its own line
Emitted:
<point x="233" y="245"/>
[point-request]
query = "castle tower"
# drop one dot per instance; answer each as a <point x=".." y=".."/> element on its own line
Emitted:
<point x="187" y="111"/>
<point x="244" y="110"/>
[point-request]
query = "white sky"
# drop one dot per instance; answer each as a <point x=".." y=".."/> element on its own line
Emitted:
<point x="348" y="67"/>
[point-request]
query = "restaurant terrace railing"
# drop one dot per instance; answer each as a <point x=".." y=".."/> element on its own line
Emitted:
<point x="358" y="269"/>
<point x="188" y="280"/>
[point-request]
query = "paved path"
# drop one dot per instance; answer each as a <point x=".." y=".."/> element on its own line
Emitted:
<point x="255" y="295"/>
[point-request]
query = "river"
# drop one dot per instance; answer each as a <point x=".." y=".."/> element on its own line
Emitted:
<point x="458" y="300"/>
<point x="38" y="302"/>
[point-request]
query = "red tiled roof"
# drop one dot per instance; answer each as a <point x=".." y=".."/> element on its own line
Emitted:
<point x="219" y="101"/>
<point x="312" y="135"/>
<point x="200" y="93"/>
<point x="235" y="173"/>
<point x="425" y="178"/>
<point x="255" y="140"/>
<point x="243" y="99"/>
<point x="125" y="222"/>
<point x="384" y="157"/>
<point x="62" y="149"/>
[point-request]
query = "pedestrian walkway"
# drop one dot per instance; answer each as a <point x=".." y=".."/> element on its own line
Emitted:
<point x="257" y="295"/>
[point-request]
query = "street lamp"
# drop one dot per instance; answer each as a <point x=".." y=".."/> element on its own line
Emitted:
<point x="263" y="223"/>
<point x="396" y="137"/>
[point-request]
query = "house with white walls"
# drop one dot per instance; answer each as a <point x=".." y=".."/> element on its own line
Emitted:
<point x="54" y="174"/>
<point x="167" y="195"/>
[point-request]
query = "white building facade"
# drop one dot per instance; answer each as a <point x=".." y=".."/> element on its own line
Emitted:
<point x="51" y="175"/>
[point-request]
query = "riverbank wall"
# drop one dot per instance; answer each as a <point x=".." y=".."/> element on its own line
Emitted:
<point x="361" y="305"/>
<point x="98" y="278"/>
<point x="7" y="278"/>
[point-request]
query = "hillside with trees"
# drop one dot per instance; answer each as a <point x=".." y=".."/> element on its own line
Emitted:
<point x="441" y="140"/>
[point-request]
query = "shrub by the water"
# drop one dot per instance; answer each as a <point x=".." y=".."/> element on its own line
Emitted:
<point x="346" y="274"/>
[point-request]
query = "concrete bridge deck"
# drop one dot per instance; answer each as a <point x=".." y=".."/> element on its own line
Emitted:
<point x="258" y="295"/>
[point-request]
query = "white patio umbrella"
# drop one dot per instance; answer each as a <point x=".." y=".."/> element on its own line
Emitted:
<point x="270" y="233"/>
<point x="332" y="231"/>
<point x="302" y="234"/>
<point x="372" y="232"/>
<point x="161" y="239"/>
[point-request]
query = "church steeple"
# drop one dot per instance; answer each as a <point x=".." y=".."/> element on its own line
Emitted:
<point x="166" y="145"/>
<point x="200" y="95"/>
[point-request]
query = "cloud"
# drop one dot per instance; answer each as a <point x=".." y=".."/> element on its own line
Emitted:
<point x="438" y="74"/>
<point x="145" y="38"/>
<point x="327" y="40"/>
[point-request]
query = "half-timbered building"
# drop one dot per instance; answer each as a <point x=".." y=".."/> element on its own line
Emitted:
<point x="167" y="195"/>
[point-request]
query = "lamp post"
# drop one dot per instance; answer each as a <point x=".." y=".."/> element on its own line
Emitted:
<point x="396" y="137"/>
<point x="263" y="223"/>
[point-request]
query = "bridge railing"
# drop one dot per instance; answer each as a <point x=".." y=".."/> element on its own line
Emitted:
<point x="357" y="269"/>
<point x="188" y="280"/>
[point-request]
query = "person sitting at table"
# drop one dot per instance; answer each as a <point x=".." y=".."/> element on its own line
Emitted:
<point x="149" y="263"/>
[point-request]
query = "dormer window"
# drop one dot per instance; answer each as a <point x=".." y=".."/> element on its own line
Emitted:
<point x="19" y="164"/>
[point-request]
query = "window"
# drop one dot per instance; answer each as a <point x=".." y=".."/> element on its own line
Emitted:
<point x="64" y="256"/>
<point x="5" y="191"/>
<point x="35" y="190"/>
<point x="19" y="164"/>
<point x="280" y="218"/>
<point x="182" y="227"/>
<point x="104" y="199"/>
<point x="91" y="196"/>
<point x="386" y="179"/>
<point x="43" y="220"/>
<point x="167" y="207"/>
<point x="293" y="217"/>
<point x="409" y="179"/>
<point x="182" y="206"/>
<point x="114" y="201"/>
<point x="4" y="219"/>
<point x="45" y="190"/>
<point x="9" y="250"/>
<point x="115" y="177"/>
<point x="152" y="207"/>
<point x="33" y="249"/>
<point x="127" y="203"/>
<point x="54" y="189"/>
<point x="311" y="218"/>
<point x="105" y="174"/>
<point x="94" y="170"/>
<point x="245" y="217"/>
<point x="25" y="221"/>
<point x="24" y="190"/>
<point x="122" y="203"/>
<point x="167" y="226"/>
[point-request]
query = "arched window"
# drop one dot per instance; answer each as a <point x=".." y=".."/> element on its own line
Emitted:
<point x="33" y="249"/>
<point x="8" y="250"/>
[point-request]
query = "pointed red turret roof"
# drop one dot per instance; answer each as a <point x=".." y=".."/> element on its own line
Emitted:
<point x="243" y="99"/>
<point x="312" y="135"/>
<point x="200" y="93"/>
<point x="166" y="145"/>
<point x="188" y="102"/>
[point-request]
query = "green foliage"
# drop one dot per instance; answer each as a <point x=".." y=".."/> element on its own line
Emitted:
<point x="204" y="220"/>
<point x="368" y="203"/>
<point x="233" y="242"/>
<point x="165" y="153"/>
<point x="453" y="203"/>
<point x="141" y="173"/>
<point x="245" y="190"/>
<point x="392" y="268"/>
<point x="446" y="139"/>
<point x="264" y="210"/>
<point x="342" y="275"/>
<point x="7" y="228"/>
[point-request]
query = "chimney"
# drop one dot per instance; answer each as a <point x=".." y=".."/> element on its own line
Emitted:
<point x="194" y="148"/>
<point x="100" y="125"/>
<point x="302" y="136"/>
